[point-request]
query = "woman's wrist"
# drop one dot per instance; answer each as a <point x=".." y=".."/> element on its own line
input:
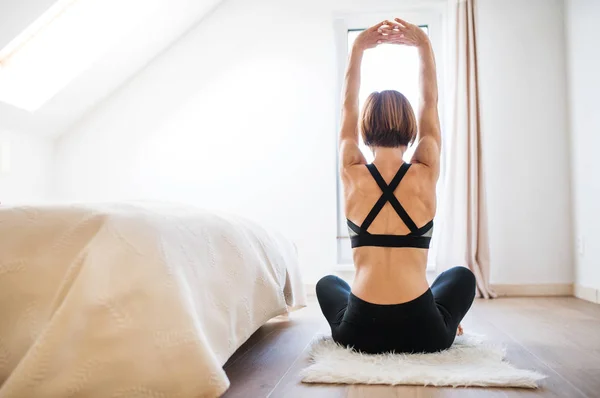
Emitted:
<point x="357" y="49"/>
<point x="425" y="44"/>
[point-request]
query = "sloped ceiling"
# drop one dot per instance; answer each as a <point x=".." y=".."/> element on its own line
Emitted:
<point x="168" y="21"/>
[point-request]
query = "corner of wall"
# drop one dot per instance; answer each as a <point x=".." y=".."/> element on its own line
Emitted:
<point x="570" y="142"/>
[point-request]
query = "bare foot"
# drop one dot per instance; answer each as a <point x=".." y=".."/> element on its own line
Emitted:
<point x="459" y="331"/>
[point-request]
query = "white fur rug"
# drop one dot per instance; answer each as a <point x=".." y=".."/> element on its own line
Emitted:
<point x="471" y="361"/>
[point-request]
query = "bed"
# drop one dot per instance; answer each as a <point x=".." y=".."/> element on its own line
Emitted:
<point x="133" y="300"/>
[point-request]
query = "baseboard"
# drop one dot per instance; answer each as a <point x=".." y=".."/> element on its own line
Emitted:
<point x="534" y="290"/>
<point x="587" y="293"/>
<point x="549" y="289"/>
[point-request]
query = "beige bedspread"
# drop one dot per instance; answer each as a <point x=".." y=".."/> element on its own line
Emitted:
<point x="133" y="300"/>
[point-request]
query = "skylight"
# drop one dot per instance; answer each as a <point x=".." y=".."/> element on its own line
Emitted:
<point x="60" y="45"/>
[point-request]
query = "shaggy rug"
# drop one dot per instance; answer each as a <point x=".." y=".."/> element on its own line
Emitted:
<point x="471" y="361"/>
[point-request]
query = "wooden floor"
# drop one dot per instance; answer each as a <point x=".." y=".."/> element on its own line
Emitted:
<point x="559" y="337"/>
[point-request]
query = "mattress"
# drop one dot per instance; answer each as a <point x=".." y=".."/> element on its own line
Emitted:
<point x="133" y="299"/>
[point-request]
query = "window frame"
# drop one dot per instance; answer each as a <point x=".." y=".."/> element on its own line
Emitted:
<point x="433" y="18"/>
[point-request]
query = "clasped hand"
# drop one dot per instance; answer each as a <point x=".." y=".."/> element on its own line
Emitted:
<point x="391" y="32"/>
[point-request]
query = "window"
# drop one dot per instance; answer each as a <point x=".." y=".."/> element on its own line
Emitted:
<point x="63" y="42"/>
<point x="386" y="67"/>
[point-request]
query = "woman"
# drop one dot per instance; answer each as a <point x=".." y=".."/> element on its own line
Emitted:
<point x="390" y="206"/>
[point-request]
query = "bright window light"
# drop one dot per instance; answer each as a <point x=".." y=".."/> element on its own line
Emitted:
<point x="61" y="44"/>
<point x="388" y="67"/>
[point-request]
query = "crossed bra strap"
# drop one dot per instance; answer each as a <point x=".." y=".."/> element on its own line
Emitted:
<point x="418" y="237"/>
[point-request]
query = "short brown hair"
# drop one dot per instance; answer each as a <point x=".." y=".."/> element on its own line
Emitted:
<point x="387" y="120"/>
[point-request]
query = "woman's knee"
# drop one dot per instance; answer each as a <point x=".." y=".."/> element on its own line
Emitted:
<point x="326" y="283"/>
<point x="465" y="275"/>
<point x="330" y="283"/>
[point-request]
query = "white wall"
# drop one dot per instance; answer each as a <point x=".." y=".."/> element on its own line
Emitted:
<point x="26" y="181"/>
<point x="524" y="119"/>
<point x="240" y="115"/>
<point x="583" y="36"/>
<point x="17" y="15"/>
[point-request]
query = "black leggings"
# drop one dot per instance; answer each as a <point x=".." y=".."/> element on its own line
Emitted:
<point x="425" y="324"/>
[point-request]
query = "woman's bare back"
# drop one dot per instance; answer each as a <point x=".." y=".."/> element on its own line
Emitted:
<point x="389" y="275"/>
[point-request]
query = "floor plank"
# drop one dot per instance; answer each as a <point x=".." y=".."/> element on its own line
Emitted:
<point x="291" y="386"/>
<point x="586" y="380"/>
<point x="519" y="355"/>
<point x="260" y="334"/>
<point x="556" y="336"/>
<point x="258" y="371"/>
<point x="564" y="341"/>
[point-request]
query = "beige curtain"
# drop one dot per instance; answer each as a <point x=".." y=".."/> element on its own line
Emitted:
<point x="462" y="236"/>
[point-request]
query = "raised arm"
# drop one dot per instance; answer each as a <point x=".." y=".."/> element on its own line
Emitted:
<point x="428" y="142"/>
<point x="350" y="153"/>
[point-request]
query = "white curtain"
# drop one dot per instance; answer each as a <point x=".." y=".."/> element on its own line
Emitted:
<point x="462" y="236"/>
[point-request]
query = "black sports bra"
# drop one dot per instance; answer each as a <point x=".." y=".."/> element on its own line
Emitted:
<point x="418" y="237"/>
